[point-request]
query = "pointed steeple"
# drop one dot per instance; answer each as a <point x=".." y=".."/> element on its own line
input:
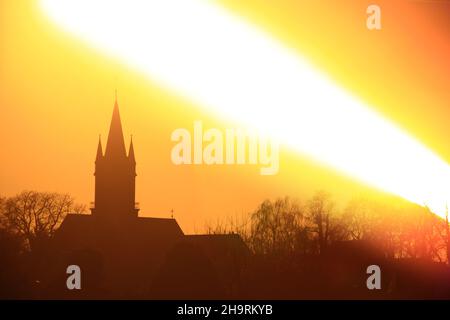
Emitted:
<point x="115" y="147"/>
<point x="131" y="151"/>
<point x="115" y="176"/>
<point x="99" y="149"/>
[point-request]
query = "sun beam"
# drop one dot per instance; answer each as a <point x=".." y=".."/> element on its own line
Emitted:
<point x="226" y="64"/>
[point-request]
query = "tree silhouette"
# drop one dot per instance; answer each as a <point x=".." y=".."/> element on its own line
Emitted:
<point x="36" y="215"/>
<point x="285" y="236"/>
<point x="320" y="208"/>
<point x="275" y="226"/>
<point x="358" y="220"/>
<point x="401" y="230"/>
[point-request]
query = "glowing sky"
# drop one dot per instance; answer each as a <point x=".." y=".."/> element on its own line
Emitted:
<point x="329" y="120"/>
<point x="208" y="55"/>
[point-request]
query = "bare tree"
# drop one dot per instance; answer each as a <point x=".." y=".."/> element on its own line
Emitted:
<point x="36" y="215"/>
<point x="320" y="208"/>
<point x="422" y="234"/>
<point x="399" y="228"/>
<point x="359" y="219"/>
<point x="275" y="226"/>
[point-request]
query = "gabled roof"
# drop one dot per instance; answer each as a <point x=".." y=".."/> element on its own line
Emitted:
<point x="83" y="230"/>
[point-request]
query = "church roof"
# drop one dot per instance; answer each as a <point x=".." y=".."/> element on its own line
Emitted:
<point x="84" y="230"/>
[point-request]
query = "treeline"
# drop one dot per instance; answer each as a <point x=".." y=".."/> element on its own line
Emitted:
<point x="28" y="221"/>
<point x="285" y="226"/>
<point x="290" y="239"/>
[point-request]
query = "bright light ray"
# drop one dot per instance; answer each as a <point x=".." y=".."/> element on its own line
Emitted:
<point x="221" y="62"/>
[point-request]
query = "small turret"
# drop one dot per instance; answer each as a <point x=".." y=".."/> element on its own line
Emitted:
<point x="131" y="152"/>
<point x="99" y="150"/>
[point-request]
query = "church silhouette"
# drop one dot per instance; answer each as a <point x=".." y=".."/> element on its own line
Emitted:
<point x="122" y="255"/>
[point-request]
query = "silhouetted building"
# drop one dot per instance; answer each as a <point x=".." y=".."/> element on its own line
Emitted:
<point x="115" y="175"/>
<point x="122" y="255"/>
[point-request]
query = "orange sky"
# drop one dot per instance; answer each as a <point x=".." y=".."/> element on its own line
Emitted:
<point x="57" y="94"/>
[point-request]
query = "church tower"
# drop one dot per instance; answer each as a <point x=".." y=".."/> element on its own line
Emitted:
<point x="115" y="175"/>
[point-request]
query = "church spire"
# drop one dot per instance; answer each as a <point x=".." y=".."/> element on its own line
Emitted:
<point x="115" y="175"/>
<point x="99" y="149"/>
<point x="115" y="145"/>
